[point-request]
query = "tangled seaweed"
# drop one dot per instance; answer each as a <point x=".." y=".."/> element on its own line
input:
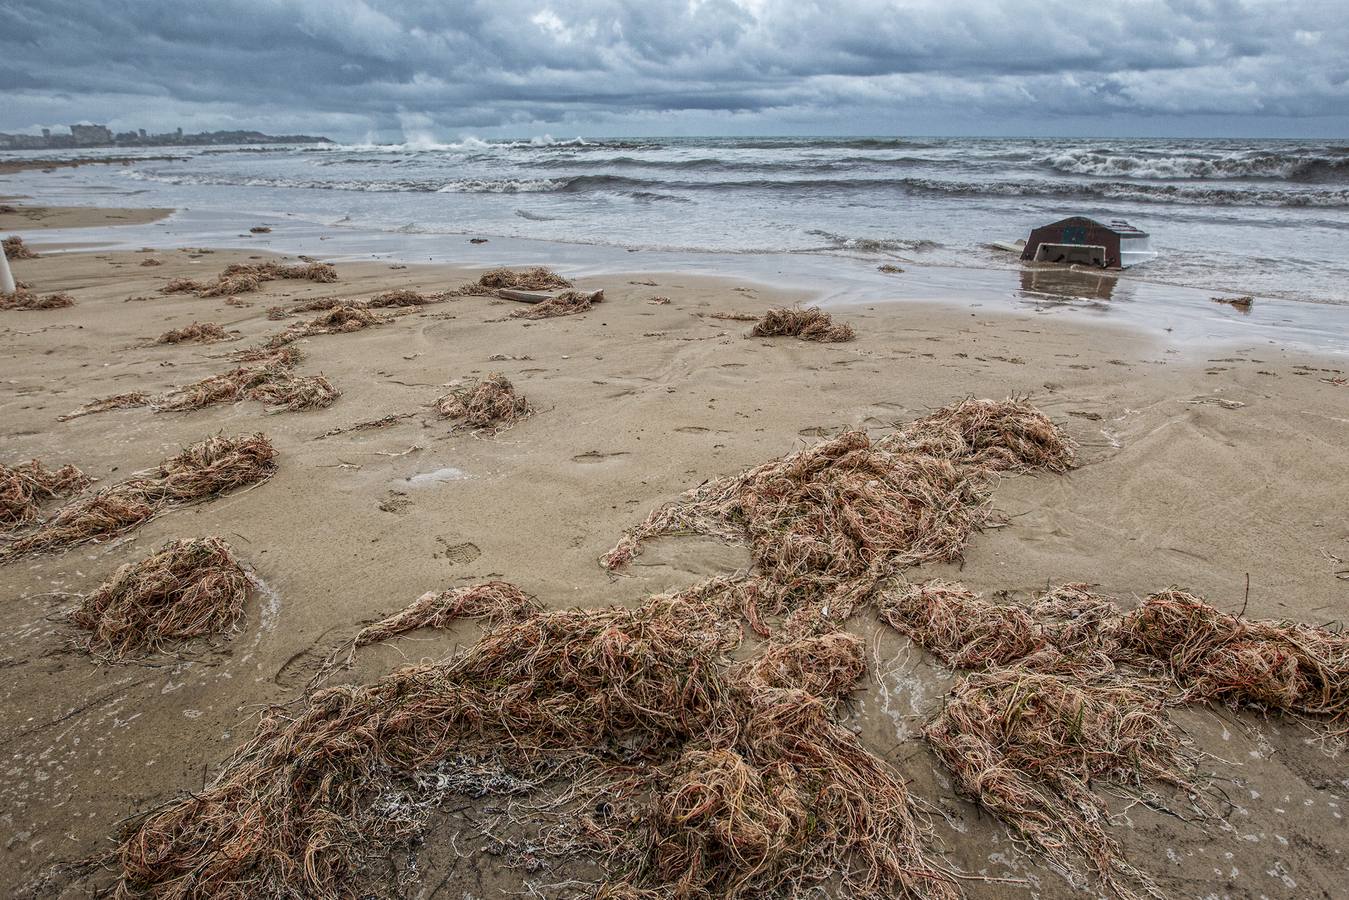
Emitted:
<point x="187" y="589"/>
<point x="489" y="404"/>
<point x="809" y="324"/>
<point x="567" y="303"/>
<point x="26" y="299"/>
<point x="207" y="469"/>
<point x="535" y="279"/>
<point x="26" y="486"/>
<point x="1004" y="435"/>
<point x="15" y="248"/>
<point x="703" y="779"/>
<point x="196" y="332"/>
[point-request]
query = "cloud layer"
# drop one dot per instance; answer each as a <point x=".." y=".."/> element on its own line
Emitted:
<point x="352" y="68"/>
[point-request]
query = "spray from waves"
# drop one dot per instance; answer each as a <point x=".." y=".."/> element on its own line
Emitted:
<point x="1328" y="164"/>
<point x="875" y="245"/>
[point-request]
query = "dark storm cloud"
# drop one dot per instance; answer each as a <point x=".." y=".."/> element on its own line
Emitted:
<point x="357" y="66"/>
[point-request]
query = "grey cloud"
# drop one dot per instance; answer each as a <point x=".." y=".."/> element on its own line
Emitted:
<point x="357" y="66"/>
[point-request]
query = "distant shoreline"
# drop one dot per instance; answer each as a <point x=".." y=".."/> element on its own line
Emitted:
<point x="10" y="166"/>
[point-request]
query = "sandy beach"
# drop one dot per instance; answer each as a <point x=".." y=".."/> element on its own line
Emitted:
<point x="1215" y="468"/>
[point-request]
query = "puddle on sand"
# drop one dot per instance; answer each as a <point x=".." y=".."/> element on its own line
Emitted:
<point x="439" y="476"/>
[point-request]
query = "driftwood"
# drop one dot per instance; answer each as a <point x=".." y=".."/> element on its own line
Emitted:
<point x="540" y="296"/>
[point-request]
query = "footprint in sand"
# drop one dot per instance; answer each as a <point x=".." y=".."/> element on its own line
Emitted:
<point x="395" y="502"/>
<point x="595" y="456"/>
<point x="457" y="554"/>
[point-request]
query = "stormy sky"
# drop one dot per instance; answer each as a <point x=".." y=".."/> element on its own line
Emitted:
<point x="441" y="69"/>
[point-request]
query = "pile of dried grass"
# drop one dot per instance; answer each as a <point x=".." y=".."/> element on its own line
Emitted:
<point x="295" y="392"/>
<point x="699" y="779"/>
<point x="26" y="299"/>
<point x="535" y="279"/>
<point x="1029" y="742"/>
<point x="182" y="286"/>
<point x="489" y="403"/>
<point x="831" y="516"/>
<point x="214" y="466"/>
<point x="15" y="248"/>
<point x="809" y="324"/>
<point x="199" y="333"/>
<point x="25" y="487"/>
<point x="1003" y="435"/>
<point x="187" y="589"/>
<point x="403" y="298"/>
<point x="231" y="285"/>
<point x="567" y="303"/>
<point x="1221" y="657"/>
<point x="342" y="319"/>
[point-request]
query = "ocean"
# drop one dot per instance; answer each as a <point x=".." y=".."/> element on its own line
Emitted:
<point x="1262" y="217"/>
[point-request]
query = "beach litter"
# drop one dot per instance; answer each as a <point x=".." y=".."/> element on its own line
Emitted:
<point x="687" y="775"/>
<point x="15" y="248"/>
<point x="187" y="589"/>
<point x="808" y="324"/>
<point x="567" y="303"/>
<point x="487" y="404"/>
<point x="27" y="299"/>
<point x="26" y="486"/>
<point x="196" y="332"/>
<point x="202" y="471"/>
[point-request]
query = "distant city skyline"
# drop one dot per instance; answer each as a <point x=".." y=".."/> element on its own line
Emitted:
<point x="390" y="71"/>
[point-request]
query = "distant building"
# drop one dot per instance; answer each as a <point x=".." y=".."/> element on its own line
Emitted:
<point x="91" y="135"/>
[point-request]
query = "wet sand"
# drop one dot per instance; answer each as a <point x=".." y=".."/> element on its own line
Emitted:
<point x="1198" y="468"/>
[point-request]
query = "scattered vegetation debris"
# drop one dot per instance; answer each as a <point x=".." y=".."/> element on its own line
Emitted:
<point x="1003" y="435"/>
<point x="187" y="589"/>
<point x="658" y="301"/>
<point x="214" y="466"/>
<point x="403" y="298"/>
<point x="732" y="316"/>
<point x="535" y="279"/>
<point x="182" y="286"/>
<point x="108" y="404"/>
<point x="295" y="392"/>
<point x="1242" y="303"/>
<point x="230" y="285"/>
<point x="245" y="278"/>
<point x="690" y="776"/>
<point x="259" y="229"/>
<point x="493" y="601"/>
<point x="486" y="404"/>
<point x="567" y="303"/>
<point x="276" y="313"/>
<point x="385" y="422"/>
<point x="890" y="269"/>
<point x="15" y="248"/>
<point x="26" y="299"/>
<point x="147" y="263"/>
<point x="809" y="324"/>
<point x="26" y="486"/>
<point x="196" y="332"/>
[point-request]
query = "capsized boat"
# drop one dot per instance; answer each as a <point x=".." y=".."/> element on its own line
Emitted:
<point x="1077" y="239"/>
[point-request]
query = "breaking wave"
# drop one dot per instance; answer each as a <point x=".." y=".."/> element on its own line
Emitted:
<point x="1301" y="167"/>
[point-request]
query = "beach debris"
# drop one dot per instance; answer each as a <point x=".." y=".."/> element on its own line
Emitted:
<point x="890" y="269"/>
<point x="535" y="279"/>
<point x="196" y="332"/>
<point x="26" y="486"/>
<point x="1221" y="657"/>
<point x="181" y="286"/>
<point x="385" y="422"/>
<point x="207" y="469"/>
<point x="492" y="601"/>
<point x="295" y="392"/>
<point x="230" y="285"/>
<point x="809" y="324"/>
<point x="108" y="404"/>
<point x="15" y="248"/>
<point x="245" y="278"/>
<point x="1243" y="303"/>
<point x="658" y="301"/>
<point x="403" y="298"/>
<point x="486" y="404"/>
<point x="1002" y="435"/>
<point x="1033" y="743"/>
<point x="955" y="625"/>
<point x="688" y="775"/>
<point x="259" y="229"/>
<point x="150" y="263"/>
<point x="567" y="303"/>
<point x="732" y="316"/>
<point x="187" y="589"/>
<point x="26" y="299"/>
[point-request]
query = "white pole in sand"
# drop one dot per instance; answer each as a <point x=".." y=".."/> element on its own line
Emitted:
<point x="6" y="277"/>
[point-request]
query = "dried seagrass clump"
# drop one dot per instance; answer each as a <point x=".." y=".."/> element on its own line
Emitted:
<point x="295" y="392"/>
<point x="1004" y="435"/>
<point x="26" y="486"/>
<point x="824" y="516"/>
<point x="1029" y="743"/>
<point x="15" y="248"/>
<point x="489" y="403"/>
<point x="1216" y="656"/>
<point x="26" y="299"/>
<point x="808" y="324"/>
<point x="492" y="601"/>
<point x="196" y="332"/>
<point x="694" y="778"/>
<point x="964" y="631"/>
<point x="207" y="469"/>
<point x="187" y="589"/>
<point x="403" y="298"/>
<point x="181" y="286"/>
<point x="232" y="285"/>
<point x="567" y="303"/>
<point x="535" y="279"/>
